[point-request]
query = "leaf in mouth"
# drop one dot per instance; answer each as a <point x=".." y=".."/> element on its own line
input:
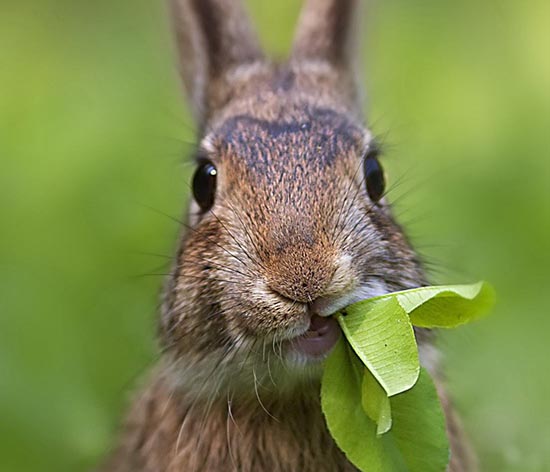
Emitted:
<point x="380" y="406"/>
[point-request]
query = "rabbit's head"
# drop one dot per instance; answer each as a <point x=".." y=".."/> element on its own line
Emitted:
<point x="288" y="221"/>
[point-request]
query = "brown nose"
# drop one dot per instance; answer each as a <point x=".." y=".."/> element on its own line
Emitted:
<point x="301" y="269"/>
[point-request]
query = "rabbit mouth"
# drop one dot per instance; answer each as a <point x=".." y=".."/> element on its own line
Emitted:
<point x="315" y="343"/>
<point x="319" y="339"/>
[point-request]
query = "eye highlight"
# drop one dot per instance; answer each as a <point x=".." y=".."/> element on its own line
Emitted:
<point x="374" y="176"/>
<point x="204" y="185"/>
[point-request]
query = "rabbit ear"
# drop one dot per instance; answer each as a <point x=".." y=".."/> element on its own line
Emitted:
<point x="326" y="32"/>
<point x="214" y="37"/>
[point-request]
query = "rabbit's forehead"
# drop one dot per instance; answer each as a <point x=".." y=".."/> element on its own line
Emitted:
<point x="314" y="139"/>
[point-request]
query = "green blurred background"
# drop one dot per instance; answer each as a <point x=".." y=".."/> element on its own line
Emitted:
<point x="94" y="136"/>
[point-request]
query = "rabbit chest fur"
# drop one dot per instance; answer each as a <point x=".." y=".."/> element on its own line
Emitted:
<point x="173" y="433"/>
<point x="288" y="224"/>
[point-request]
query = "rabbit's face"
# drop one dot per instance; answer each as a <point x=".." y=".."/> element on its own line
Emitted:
<point x="288" y="222"/>
<point x="289" y="225"/>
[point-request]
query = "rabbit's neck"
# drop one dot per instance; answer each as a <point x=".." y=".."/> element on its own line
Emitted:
<point x="170" y="432"/>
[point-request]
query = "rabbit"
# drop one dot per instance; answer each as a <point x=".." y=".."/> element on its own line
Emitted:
<point x="288" y="223"/>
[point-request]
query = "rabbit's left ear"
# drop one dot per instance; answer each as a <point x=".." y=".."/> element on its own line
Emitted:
<point x="214" y="37"/>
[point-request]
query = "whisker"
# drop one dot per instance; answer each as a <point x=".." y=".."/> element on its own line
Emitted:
<point x="244" y="227"/>
<point x="153" y="254"/>
<point x="246" y="253"/>
<point x="344" y="200"/>
<point x="190" y="228"/>
<point x="230" y="416"/>
<point x="258" y="396"/>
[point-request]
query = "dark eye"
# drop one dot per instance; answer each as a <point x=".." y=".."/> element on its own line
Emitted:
<point x="374" y="177"/>
<point x="204" y="185"/>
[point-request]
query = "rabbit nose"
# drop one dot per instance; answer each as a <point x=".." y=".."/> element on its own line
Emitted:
<point x="301" y="271"/>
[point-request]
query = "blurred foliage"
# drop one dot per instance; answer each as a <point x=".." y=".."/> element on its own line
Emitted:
<point x="93" y="135"/>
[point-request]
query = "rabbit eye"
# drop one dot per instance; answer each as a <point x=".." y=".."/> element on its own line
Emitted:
<point x="374" y="177"/>
<point x="204" y="185"/>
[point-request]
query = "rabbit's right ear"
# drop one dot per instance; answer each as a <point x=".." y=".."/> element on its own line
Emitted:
<point x="328" y="33"/>
<point x="214" y="37"/>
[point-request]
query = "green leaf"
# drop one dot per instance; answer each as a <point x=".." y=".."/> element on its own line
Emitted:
<point x="416" y="442"/>
<point x="381" y="334"/>
<point x="387" y="417"/>
<point x="446" y="306"/>
<point x="351" y="428"/>
<point x="376" y="403"/>
<point x="419" y="427"/>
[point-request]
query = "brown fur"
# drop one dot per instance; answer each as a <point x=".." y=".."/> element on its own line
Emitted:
<point x="168" y="433"/>
<point x="292" y="223"/>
